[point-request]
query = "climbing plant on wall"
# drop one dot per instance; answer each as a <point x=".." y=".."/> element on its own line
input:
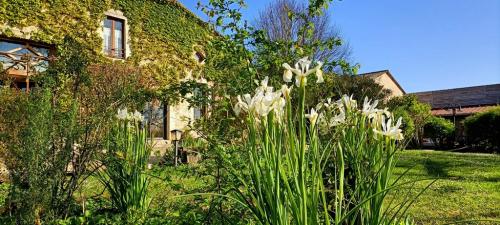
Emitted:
<point x="162" y="34"/>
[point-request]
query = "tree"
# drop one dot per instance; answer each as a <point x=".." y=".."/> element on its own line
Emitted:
<point x="282" y="21"/>
<point x="418" y="112"/>
<point x="440" y="130"/>
<point x="483" y="129"/>
<point x="335" y="86"/>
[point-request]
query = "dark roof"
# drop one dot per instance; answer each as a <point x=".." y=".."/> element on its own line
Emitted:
<point x="462" y="111"/>
<point x="375" y="74"/>
<point x="462" y="97"/>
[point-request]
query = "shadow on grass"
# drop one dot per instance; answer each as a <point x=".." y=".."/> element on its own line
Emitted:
<point x="435" y="168"/>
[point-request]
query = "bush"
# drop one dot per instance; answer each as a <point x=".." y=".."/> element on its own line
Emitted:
<point x="440" y="130"/>
<point x="416" y="111"/>
<point x="38" y="155"/>
<point x="483" y="129"/>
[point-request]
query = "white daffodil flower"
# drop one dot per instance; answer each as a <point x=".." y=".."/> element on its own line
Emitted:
<point x="370" y="110"/>
<point x="312" y="116"/>
<point x="287" y="75"/>
<point x="137" y="116"/>
<point x="285" y="90"/>
<point x="391" y="131"/>
<point x="348" y="102"/>
<point x="264" y="101"/>
<point x="122" y="114"/>
<point x="319" y="75"/>
<point x="293" y="70"/>
<point x="338" y="118"/>
<point x="301" y="71"/>
<point x="241" y="105"/>
<point x="303" y="64"/>
<point x="300" y="80"/>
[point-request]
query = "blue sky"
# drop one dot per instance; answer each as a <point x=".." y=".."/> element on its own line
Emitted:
<point x="426" y="44"/>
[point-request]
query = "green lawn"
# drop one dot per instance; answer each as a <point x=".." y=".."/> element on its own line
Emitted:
<point x="467" y="186"/>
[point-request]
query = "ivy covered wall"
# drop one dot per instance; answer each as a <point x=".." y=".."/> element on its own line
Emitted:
<point x="162" y="34"/>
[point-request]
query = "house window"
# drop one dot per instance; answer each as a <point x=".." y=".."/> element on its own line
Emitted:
<point x="114" y="37"/>
<point x="199" y="57"/>
<point x="156" y="117"/>
<point x="21" y="59"/>
<point x="198" y="110"/>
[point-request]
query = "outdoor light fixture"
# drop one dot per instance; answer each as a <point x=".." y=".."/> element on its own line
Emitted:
<point x="176" y="136"/>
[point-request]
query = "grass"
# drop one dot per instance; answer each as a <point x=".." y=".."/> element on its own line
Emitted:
<point x="467" y="186"/>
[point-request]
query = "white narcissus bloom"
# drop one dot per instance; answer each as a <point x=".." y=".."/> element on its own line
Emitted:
<point x="287" y="75"/>
<point x="242" y="105"/>
<point x="319" y="75"/>
<point x="304" y="64"/>
<point x="391" y="131"/>
<point x="122" y="114"/>
<point x="264" y="101"/>
<point x="301" y="70"/>
<point x="348" y="102"/>
<point x="285" y="90"/>
<point x="137" y="116"/>
<point x="338" y="118"/>
<point x="300" y="79"/>
<point x="312" y="116"/>
<point x="370" y="109"/>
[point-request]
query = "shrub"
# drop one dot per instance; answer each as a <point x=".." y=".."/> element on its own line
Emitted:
<point x="483" y="129"/>
<point x="440" y="130"/>
<point x="418" y="112"/>
<point x="408" y="126"/>
<point x="39" y="154"/>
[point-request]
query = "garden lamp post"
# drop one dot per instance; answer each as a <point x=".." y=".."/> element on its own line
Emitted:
<point x="176" y="137"/>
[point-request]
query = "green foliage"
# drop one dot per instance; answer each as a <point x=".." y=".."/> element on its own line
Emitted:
<point x="285" y="182"/>
<point x="155" y="30"/>
<point x="408" y="125"/>
<point x="37" y="129"/>
<point x="483" y="129"/>
<point x="336" y="86"/>
<point x="440" y="130"/>
<point x="417" y="111"/>
<point x="38" y="158"/>
<point x="296" y="177"/>
<point x="124" y="169"/>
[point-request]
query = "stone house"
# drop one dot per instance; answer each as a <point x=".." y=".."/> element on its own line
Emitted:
<point x="386" y="80"/>
<point x="160" y="35"/>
